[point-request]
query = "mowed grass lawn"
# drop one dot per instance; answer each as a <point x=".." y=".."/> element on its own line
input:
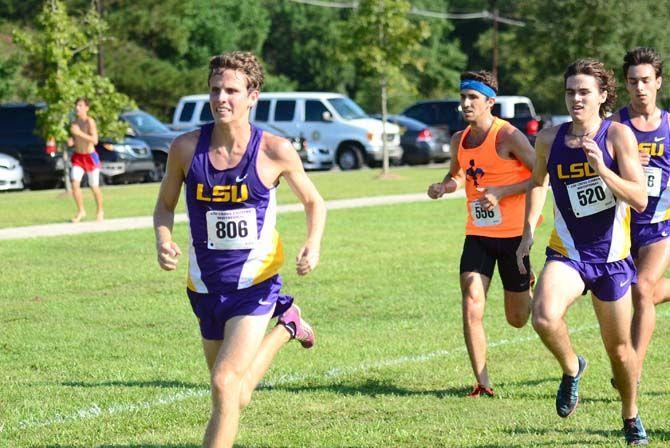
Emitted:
<point x="55" y="206"/>
<point x="98" y="348"/>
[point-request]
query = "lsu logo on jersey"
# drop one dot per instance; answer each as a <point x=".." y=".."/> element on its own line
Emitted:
<point x="575" y="170"/>
<point x="654" y="148"/>
<point x="223" y="193"/>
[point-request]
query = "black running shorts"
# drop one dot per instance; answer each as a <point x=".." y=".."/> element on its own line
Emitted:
<point x="480" y="254"/>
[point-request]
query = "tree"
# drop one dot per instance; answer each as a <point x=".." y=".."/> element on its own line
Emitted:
<point x="533" y="58"/>
<point x="60" y="58"/>
<point x="383" y="43"/>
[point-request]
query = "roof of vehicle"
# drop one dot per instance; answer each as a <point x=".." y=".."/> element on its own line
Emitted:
<point x="515" y="98"/>
<point x="205" y="96"/>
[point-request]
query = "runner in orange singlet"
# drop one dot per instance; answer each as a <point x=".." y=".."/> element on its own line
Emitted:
<point x="494" y="160"/>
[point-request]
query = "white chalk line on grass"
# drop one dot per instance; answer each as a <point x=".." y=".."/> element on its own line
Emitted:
<point x="98" y="411"/>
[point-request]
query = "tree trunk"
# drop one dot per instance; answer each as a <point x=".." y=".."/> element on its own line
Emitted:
<point x="385" y="149"/>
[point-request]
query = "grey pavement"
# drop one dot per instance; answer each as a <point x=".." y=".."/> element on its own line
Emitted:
<point x="143" y="222"/>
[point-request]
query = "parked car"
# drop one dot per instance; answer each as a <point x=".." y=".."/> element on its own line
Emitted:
<point x="42" y="166"/>
<point x="328" y="120"/>
<point x="125" y="161"/>
<point x="312" y="157"/>
<point x="11" y="173"/>
<point x="518" y="110"/>
<point x="420" y="143"/>
<point x="157" y="135"/>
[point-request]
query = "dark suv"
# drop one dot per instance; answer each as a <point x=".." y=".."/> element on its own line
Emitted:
<point x="129" y="160"/>
<point x="517" y="110"/>
<point x="43" y="167"/>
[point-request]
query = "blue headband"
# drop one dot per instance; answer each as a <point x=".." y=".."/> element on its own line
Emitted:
<point x="471" y="84"/>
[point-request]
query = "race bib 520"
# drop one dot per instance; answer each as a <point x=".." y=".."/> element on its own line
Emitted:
<point x="590" y="196"/>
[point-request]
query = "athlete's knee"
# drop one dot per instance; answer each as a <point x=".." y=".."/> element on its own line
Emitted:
<point x="544" y="321"/>
<point x="226" y="385"/>
<point x="518" y="318"/>
<point x="644" y="290"/>
<point x="473" y="308"/>
<point x="620" y="353"/>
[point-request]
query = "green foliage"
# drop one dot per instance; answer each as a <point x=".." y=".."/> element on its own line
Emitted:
<point x="306" y="45"/>
<point x="534" y="57"/>
<point x="60" y="59"/>
<point x="383" y="43"/>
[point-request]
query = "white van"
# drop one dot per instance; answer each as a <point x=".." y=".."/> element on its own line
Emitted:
<point x="331" y="121"/>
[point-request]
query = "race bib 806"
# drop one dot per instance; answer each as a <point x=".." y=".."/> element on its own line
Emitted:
<point x="232" y="229"/>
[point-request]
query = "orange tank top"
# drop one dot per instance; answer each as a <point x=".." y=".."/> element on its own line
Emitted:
<point x="483" y="167"/>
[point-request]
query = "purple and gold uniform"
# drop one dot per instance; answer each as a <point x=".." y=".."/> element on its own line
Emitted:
<point x="591" y="226"/>
<point x="653" y="223"/>
<point x="234" y="250"/>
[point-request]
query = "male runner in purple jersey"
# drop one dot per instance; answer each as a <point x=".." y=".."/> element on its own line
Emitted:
<point x="650" y="230"/>
<point x="594" y="172"/>
<point x="230" y="170"/>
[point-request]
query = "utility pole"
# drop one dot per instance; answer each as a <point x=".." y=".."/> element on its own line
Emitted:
<point x="101" y="60"/>
<point x="494" y="62"/>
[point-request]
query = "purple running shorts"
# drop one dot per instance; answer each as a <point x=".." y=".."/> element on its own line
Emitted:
<point x="213" y="310"/>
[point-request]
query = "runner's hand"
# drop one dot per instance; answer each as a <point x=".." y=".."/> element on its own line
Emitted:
<point x="306" y="260"/>
<point x="644" y="158"/>
<point x="522" y="252"/>
<point x="593" y="154"/>
<point x="437" y="190"/>
<point x="168" y="255"/>
<point x="491" y="198"/>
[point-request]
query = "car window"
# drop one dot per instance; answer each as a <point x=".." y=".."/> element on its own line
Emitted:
<point x="206" y="113"/>
<point x="495" y="110"/>
<point x="448" y="113"/>
<point x="262" y="110"/>
<point x="314" y="110"/>
<point x="522" y="110"/>
<point x="187" y="111"/>
<point x="421" y="112"/>
<point x="347" y="108"/>
<point x="145" y="123"/>
<point x="284" y="110"/>
<point x="17" y="120"/>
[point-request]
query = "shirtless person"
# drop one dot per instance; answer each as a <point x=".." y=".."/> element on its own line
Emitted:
<point x="84" y="159"/>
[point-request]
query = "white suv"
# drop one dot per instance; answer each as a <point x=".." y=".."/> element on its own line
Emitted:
<point x="330" y="121"/>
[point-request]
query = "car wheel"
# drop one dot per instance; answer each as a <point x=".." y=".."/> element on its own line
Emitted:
<point x="349" y="158"/>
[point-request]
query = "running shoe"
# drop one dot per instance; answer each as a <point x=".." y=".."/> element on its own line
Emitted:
<point x="567" y="396"/>
<point x="634" y="432"/>
<point x="479" y="390"/>
<point x="297" y="327"/>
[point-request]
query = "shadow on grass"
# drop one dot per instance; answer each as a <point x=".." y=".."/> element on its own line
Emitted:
<point x="377" y="388"/>
<point x="153" y="383"/>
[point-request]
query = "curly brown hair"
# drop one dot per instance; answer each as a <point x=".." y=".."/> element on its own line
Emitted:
<point x="605" y="78"/>
<point x="643" y="55"/>
<point x="482" y="76"/>
<point x="242" y="61"/>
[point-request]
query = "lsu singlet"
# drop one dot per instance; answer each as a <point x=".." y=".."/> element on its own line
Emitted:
<point x="657" y="173"/>
<point x="483" y="167"/>
<point x="233" y="241"/>
<point x="590" y="224"/>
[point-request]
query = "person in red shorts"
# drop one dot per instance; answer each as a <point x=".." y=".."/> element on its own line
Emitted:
<point x="84" y="159"/>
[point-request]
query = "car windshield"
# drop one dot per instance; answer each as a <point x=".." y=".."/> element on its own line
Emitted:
<point x="347" y="108"/>
<point x="144" y="123"/>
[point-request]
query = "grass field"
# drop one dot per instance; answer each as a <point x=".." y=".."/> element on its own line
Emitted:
<point x="52" y="206"/>
<point x="98" y="347"/>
